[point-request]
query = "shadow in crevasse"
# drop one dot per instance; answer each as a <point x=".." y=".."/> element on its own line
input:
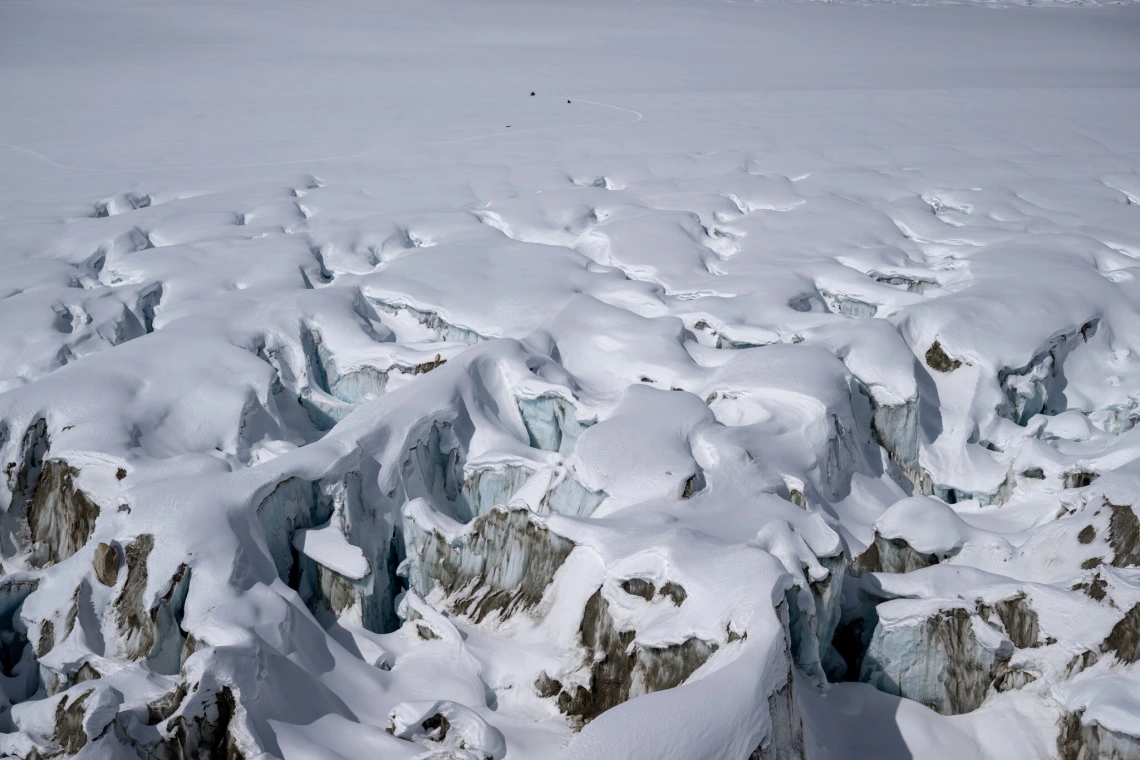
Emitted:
<point x="929" y="405"/>
<point x="853" y="721"/>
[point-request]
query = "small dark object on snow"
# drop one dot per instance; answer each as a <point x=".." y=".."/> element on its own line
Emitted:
<point x="437" y="727"/>
<point x="532" y="94"/>
<point x="639" y="587"/>
<point x="567" y="101"/>
<point x="937" y="359"/>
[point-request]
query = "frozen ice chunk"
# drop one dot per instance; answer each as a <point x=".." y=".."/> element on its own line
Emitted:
<point x="328" y="546"/>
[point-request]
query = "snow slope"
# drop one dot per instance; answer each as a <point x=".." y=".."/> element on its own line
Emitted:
<point x="640" y="379"/>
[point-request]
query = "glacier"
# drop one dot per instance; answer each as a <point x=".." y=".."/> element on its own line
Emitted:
<point x="639" y="379"/>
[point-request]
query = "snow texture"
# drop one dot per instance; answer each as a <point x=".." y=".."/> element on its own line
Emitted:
<point x="654" y="380"/>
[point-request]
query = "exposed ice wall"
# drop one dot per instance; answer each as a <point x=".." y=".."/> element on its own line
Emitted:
<point x="551" y="423"/>
<point x="501" y="563"/>
<point x="61" y="517"/>
<point x="946" y="659"/>
<point x="620" y="669"/>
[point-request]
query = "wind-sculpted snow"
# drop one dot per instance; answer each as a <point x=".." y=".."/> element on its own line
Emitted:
<point x="654" y="381"/>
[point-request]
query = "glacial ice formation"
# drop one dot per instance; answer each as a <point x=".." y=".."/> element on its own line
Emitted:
<point x="503" y="562"/>
<point x="943" y="657"/>
<point x="767" y="389"/>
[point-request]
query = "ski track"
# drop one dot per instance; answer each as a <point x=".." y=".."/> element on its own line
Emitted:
<point x="324" y="159"/>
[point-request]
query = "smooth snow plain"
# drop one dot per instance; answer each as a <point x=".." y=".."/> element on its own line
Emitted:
<point x="764" y="385"/>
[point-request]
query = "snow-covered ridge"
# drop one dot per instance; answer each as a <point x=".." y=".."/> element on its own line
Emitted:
<point x="764" y="385"/>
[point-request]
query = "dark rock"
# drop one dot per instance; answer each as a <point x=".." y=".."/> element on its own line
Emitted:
<point x="1095" y="587"/>
<point x="867" y="561"/>
<point x="134" y="623"/>
<point x="1085" y="659"/>
<point x="545" y="686"/>
<point x="166" y="705"/>
<point x="205" y="735"/>
<point x="1124" y="639"/>
<point x="937" y="359"/>
<point x="639" y="587"/>
<point x="1124" y="535"/>
<point x="61" y="517"/>
<point x="420" y="369"/>
<point x="87" y="672"/>
<point x="693" y="484"/>
<point x="69" y="733"/>
<point x="153" y="633"/>
<point x="47" y="638"/>
<point x="1018" y="619"/>
<point x="107" y="563"/>
<point x="436" y="727"/>
<point x="892" y="555"/>
<point x="620" y="669"/>
<point x="674" y="591"/>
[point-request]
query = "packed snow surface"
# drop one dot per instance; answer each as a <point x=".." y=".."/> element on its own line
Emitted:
<point x="659" y="379"/>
